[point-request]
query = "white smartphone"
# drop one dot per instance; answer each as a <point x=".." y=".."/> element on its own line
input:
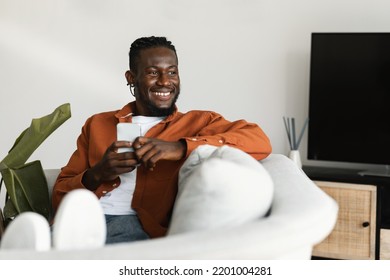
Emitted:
<point x="127" y="132"/>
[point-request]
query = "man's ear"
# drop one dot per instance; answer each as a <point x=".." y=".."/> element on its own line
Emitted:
<point x="130" y="77"/>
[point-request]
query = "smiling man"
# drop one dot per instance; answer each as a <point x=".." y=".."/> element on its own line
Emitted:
<point x="137" y="189"/>
<point x="155" y="77"/>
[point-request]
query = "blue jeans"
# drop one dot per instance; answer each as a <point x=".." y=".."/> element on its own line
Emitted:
<point x="124" y="228"/>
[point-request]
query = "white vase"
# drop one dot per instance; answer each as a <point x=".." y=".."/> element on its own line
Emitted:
<point x="295" y="156"/>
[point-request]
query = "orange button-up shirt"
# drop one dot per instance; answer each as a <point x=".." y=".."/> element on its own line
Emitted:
<point x="155" y="191"/>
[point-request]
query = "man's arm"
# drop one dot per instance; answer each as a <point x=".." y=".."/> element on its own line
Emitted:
<point x="248" y="137"/>
<point x="215" y="131"/>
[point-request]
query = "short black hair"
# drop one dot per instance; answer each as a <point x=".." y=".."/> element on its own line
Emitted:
<point x="146" y="43"/>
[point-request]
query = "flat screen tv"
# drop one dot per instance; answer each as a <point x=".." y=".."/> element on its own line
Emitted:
<point x="349" y="103"/>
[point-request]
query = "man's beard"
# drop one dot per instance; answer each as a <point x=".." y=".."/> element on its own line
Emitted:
<point x="156" y="111"/>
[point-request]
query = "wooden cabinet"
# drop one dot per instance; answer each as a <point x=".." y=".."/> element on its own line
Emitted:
<point x="384" y="253"/>
<point x="354" y="234"/>
<point x="362" y="229"/>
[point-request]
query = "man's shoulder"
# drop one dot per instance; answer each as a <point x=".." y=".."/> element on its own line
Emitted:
<point x="199" y="113"/>
<point x="194" y="116"/>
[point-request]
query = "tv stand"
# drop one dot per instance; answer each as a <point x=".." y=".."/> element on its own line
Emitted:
<point x="362" y="230"/>
<point x="376" y="173"/>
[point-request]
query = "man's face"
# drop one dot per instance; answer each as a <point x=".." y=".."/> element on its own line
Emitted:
<point x="157" y="82"/>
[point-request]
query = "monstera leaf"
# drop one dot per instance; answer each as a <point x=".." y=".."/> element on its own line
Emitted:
<point x="26" y="184"/>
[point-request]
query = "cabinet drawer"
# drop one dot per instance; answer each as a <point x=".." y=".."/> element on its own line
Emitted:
<point x="354" y="234"/>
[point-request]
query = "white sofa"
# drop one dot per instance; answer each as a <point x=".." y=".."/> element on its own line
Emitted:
<point x="302" y="215"/>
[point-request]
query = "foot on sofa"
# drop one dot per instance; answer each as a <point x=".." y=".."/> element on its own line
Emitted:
<point x="29" y="230"/>
<point x="79" y="222"/>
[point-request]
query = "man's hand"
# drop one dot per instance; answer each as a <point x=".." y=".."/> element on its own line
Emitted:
<point x="150" y="150"/>
<point x="111" y="166"/>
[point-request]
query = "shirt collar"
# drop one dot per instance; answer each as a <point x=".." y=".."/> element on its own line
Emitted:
<point x="126" y="113"/>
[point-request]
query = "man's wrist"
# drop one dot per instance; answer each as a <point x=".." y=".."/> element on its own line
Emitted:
<point x="90" y="180"/>
<point x="183" y="143"/>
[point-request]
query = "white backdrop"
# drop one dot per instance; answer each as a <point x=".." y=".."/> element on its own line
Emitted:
<point x="242" y="58"/>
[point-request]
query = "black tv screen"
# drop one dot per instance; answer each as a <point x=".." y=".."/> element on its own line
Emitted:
<point x="349" y="105"/>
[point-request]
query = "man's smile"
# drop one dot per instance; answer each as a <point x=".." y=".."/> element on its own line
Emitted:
<point x="161" y="93"/>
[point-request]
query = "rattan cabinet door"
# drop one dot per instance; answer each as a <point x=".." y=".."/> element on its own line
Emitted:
<point x="354" y="234"/>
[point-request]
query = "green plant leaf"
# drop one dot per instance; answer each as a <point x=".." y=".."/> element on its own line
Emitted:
<point x="27" y="189"/>
<point x="32" y="137"/>
<point x="26" y="183"/>
<point x="9" y="211"/>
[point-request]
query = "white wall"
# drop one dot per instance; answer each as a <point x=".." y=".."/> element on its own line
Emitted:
<point x="243" y="58"/>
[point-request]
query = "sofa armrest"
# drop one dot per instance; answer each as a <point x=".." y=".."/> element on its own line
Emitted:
<point x="51" y="177"/>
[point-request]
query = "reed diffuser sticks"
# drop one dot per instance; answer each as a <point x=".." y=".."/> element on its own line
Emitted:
<point x="289" y="124"/>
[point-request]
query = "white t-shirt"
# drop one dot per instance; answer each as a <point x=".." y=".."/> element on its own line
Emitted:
<point x="118" y="201"/>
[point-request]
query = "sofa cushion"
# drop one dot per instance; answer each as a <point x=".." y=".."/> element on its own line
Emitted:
<point x="220" y="187"/>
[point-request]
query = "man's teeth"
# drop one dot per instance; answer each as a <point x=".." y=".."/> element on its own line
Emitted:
<point x="162" y="93"/>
